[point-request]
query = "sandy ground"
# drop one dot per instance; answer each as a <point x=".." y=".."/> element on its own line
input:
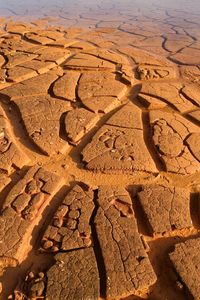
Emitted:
<point x="100" y="150"/>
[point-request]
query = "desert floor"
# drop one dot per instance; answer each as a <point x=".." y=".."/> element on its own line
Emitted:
<point x="100" y="150"/>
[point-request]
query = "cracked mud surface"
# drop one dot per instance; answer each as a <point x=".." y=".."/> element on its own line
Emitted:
<point x="99" y="152"/>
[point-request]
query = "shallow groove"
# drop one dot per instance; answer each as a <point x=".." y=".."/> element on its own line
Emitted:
<point x="97" y="249"/>
<point x="147" y="134"/>
<point x="194" y="209"/>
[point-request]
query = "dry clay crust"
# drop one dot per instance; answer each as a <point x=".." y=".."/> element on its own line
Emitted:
<point x="119" y="144"/>
<point x="119" y="111"/>
<point x="95" y="231"/>
<point x="186" y="260"/>
<point x="89" y="84"/>
<point x="70" y="225"/>
<point x="75" y="273"/>
<point x="21" y="212"/>
<point x="166" y="208"/>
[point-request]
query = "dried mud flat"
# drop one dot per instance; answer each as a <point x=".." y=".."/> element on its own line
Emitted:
<point x="100" y="158"/>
